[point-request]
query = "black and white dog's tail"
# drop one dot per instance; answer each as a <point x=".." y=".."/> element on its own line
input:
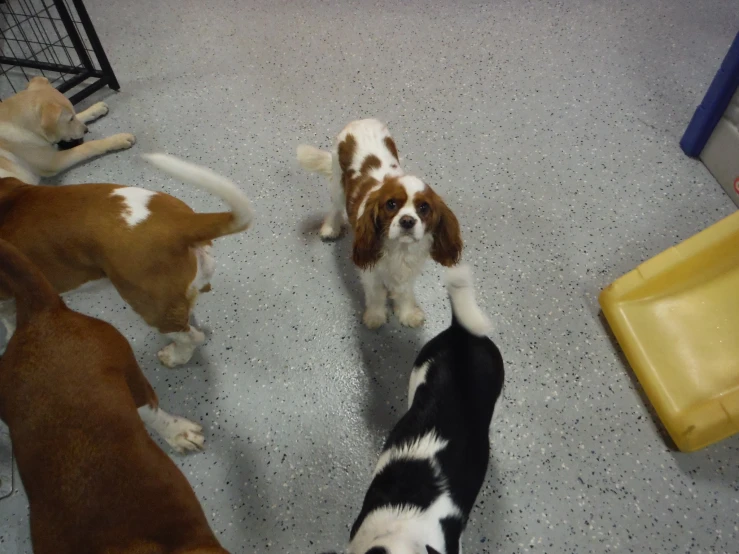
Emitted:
<point x="465" y="311"/>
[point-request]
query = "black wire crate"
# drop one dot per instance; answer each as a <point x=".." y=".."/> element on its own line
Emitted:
<point x="55" y="39"/>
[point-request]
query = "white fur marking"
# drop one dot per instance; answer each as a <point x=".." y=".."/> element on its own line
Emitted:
<point x="206" y="268"/>
<point x="459" y="287"/>
<point x="418" y="378"/>
<point x="405" y="529"/>
<point x="180" y="433"/>
<point x="421" y="448"/>
<point x="401" y="263"/>
<point x="362" y="205"/>
<point x="182" y="348"/>
<point x="412" y="185"/>
<point x="136" y="204"/>
<point x="7" y="316"/>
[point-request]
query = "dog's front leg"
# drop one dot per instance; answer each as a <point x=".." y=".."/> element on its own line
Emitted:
<point x="96" y="111"/>
<point x="375" y="294"/>
<point x="406" y="307"/>
<point x="63" y="160"/>
<point x="182" y="348"/>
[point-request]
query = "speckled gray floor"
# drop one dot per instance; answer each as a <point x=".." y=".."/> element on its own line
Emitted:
<point x="552" y="130"/>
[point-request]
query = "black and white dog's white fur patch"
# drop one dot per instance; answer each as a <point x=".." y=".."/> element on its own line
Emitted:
<point x="434" y="461"/>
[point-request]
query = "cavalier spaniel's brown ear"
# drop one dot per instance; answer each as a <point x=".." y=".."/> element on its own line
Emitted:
<point x="447" y="246"/>
<point x="368" y="235"/>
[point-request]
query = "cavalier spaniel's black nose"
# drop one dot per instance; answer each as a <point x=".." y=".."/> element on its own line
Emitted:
<point x="407" y="222"/>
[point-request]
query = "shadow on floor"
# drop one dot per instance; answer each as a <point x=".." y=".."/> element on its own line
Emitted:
<point x="244" y="489"/>
<point x="387" y="353"/>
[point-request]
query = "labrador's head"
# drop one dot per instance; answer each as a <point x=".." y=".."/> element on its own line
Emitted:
<point x="50" y="114"/>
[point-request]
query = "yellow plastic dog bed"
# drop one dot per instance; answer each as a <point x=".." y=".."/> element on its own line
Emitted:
<point x="676" y="318"/>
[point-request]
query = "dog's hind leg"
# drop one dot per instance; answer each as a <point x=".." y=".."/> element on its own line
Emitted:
<point x="165" y="303"/>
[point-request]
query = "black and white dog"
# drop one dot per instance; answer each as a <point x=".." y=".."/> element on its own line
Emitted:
<point x="435" y="459"/>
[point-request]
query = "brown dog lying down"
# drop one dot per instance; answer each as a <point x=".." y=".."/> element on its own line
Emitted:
<point x="69" y="391"/>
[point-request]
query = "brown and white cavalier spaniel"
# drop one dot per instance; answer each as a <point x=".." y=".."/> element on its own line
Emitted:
<point x="398" y="220"/>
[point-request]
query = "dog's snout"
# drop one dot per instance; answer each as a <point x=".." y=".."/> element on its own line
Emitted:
<point x="407" y="222"/>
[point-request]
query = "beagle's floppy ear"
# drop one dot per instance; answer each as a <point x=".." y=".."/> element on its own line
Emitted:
<point x="37" y="83"/>
<point x="447" y="246"/>
<point x="50" y="115"/>
<point x="368" y="235"/>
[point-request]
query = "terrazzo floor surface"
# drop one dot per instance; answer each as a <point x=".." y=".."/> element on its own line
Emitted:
<point x="552" y="130"/>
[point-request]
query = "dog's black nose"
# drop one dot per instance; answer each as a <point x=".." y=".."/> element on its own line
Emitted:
<point x="407" y="222"/>
<point x="87" y="129"/>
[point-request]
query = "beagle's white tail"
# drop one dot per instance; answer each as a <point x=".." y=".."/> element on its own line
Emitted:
<point x="209" y="181"/>
<point x="315" y="160"/>
<point x="465" y="310"/>
<point x="197" y="228"/>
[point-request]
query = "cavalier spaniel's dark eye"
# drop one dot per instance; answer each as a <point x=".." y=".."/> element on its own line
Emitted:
<point x="423" y="208"/>
<point x="391" y="204"/>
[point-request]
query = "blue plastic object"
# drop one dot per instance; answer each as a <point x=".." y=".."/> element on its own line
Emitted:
<point x="714" y="104"/>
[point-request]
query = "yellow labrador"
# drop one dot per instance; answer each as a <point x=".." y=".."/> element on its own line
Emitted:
<point x="33" y="121"/>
